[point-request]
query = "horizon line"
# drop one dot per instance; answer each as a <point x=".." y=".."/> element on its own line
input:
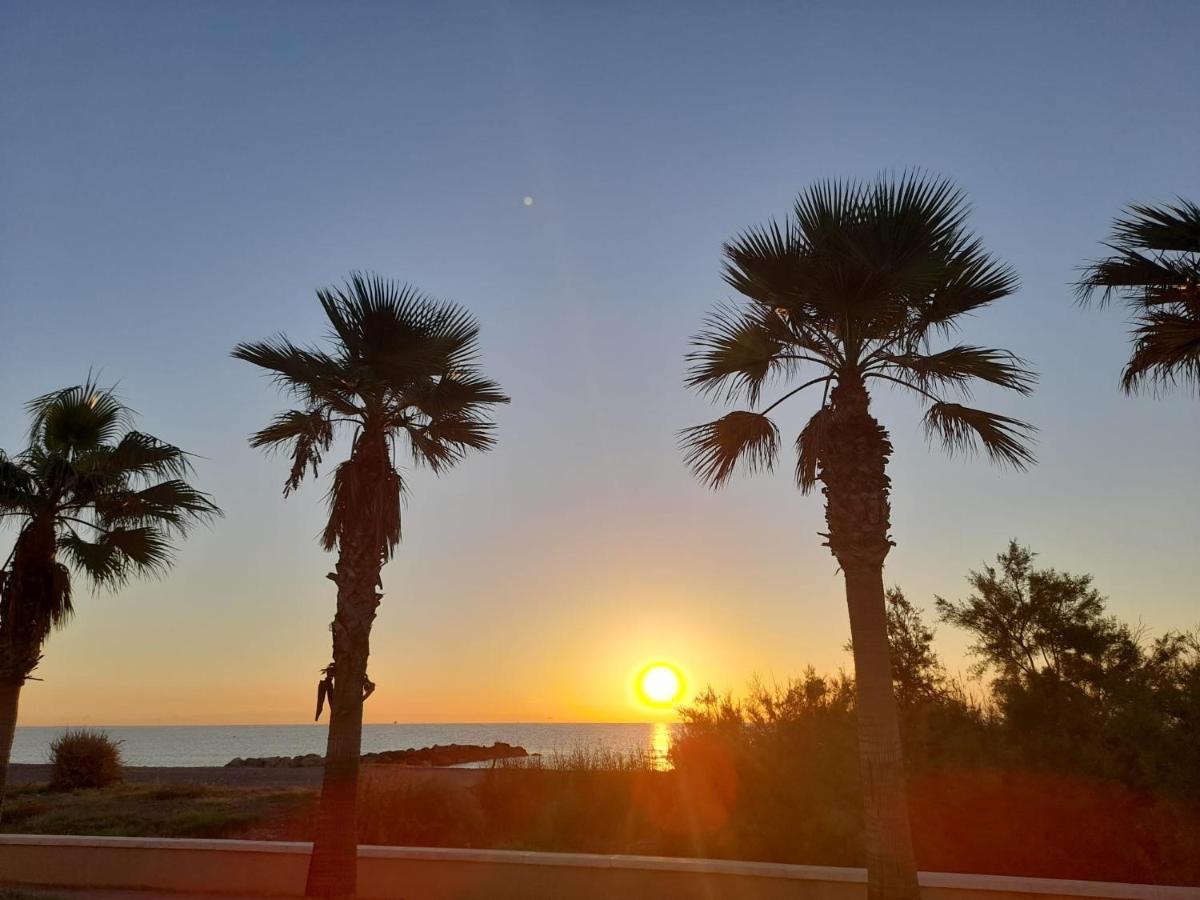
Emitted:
<point x="326" y="724"/>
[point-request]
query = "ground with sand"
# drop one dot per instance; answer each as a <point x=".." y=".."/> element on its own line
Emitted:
<point x="238" y="777"/>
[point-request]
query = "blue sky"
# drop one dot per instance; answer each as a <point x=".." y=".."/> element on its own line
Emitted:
<point x="180" y="177"/>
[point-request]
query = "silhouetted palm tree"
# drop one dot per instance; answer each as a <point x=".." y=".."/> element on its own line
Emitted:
<point x="402" y="368"/>
<point x="1155" y="267"/>
<point x="88" y="495"/>
<point x="854" y="287"/>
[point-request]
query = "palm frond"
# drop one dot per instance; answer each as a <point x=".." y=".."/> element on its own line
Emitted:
<point x="172" y="505"/>
<point x="17" y="487"/>
<point x="146" y="456"/>
<point x="97" y="561"/>
<point x="823" y="209"/>
<point x="739" y="350"/>
<point x="135" y="459"/>
<point x="35" y="593"/>
<point x="713" y="450"/>
<point x="971" y="279"/>
<point x="811" y="445"/>
<point x="77" y="418"/>
<point x="61" y="609"/>
<point x="1155" y="268"/>
<point x="303" y="372"/>
<point x="446" y="440"/>
<point x="766" y="264"/>
<point x="310" y="434"/>
<point x="899" y="220"/>
<point x="963" y="429"/>
<point x="1142" y="279"/>
<point x="879" y="263"/>
<point x="364" y="500"/>
<point x="960" y="365"/>
<point x="1166" y="351"/>
<point x="144" y="549"/>
<point x="465" y="393"/>
<point x="397" y="334"/>
<point x="111" y="559"/>
<point x="1170" y="227"/>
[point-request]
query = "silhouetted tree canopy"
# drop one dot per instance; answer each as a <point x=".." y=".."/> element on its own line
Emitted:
<point x="916" y="670"/>
<point x="1028" y="621"/>
<point x="1064" y="686"/>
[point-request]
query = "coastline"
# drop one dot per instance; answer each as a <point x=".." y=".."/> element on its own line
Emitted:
<point x="216" y="745"/>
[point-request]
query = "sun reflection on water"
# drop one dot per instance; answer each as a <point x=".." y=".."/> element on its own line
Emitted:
<point x="660" y="745"/>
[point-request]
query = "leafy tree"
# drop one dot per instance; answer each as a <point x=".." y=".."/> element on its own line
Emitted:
<point x="1026" y="621"/>
<point x="771" y="775"/>
<point x="1155" y="268"/>
<point x="1076" y="688"/>
<point x="92" y="498"/>
<point x="917" y="673"/>
<point x="401" y="373"/>
<point x="1173" y="682"/>
<point x="849" y="292"/>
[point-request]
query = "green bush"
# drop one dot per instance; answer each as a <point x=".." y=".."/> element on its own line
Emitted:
<point x="83" y="758"/>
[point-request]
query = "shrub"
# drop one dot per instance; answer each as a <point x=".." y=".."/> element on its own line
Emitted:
<point x="82" y="758"/>
<point x="419" y="813"/>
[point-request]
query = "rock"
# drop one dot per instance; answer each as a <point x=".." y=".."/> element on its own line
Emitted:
<point x="437" y="755"/>
<point x="448" y="755"/>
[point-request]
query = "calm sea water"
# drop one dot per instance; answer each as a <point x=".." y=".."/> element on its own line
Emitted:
<point x="215" y="745"/>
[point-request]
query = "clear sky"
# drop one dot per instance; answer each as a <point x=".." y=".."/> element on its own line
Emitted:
<point x="175" y="178"/>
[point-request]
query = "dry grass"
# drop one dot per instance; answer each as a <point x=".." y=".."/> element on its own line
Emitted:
<point x="716" y="803"/>
<point x="586" y="759"/>
<point x="166" y="811"/>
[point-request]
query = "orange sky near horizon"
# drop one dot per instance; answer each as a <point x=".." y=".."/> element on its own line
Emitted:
<point x="561" y="641"/>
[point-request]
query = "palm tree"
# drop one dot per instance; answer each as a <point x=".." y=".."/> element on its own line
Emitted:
<point x="1155" y="267"/>
<point x="402" y="368"/>
<point x="89" y="496"/>
<point x="850" y="291"/>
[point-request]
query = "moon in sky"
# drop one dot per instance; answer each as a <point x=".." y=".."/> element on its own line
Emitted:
<point x="528" y="201"/>
<point x="661" y="684"/>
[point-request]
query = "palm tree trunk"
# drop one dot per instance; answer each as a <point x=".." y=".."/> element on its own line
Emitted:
<point x="10" y="694"/>
<point x="854" y="472"/>
<point x="333" y="868"/>
<point x="891" y="865"/>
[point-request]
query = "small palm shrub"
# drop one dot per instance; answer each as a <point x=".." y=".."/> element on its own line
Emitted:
<point x="83" y="758"/>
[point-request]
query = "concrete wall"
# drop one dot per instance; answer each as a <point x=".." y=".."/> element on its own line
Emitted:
<point x="414" y="873"/>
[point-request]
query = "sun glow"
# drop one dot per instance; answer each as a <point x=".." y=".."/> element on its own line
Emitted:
<point x="660" y="684"/>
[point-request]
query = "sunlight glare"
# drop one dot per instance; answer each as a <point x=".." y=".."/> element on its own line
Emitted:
<point x="661" y="684"/>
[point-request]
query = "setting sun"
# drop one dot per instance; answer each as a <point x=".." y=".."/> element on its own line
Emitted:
<point x="661" y="684"/>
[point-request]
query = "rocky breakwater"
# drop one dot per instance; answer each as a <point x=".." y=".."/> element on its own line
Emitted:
<point x="437" y="755"/>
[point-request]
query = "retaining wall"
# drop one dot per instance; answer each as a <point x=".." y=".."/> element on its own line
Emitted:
<point x="417" y="873"/>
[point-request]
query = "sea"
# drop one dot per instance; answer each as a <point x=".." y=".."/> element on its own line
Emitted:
<point x="215" y="745"/>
